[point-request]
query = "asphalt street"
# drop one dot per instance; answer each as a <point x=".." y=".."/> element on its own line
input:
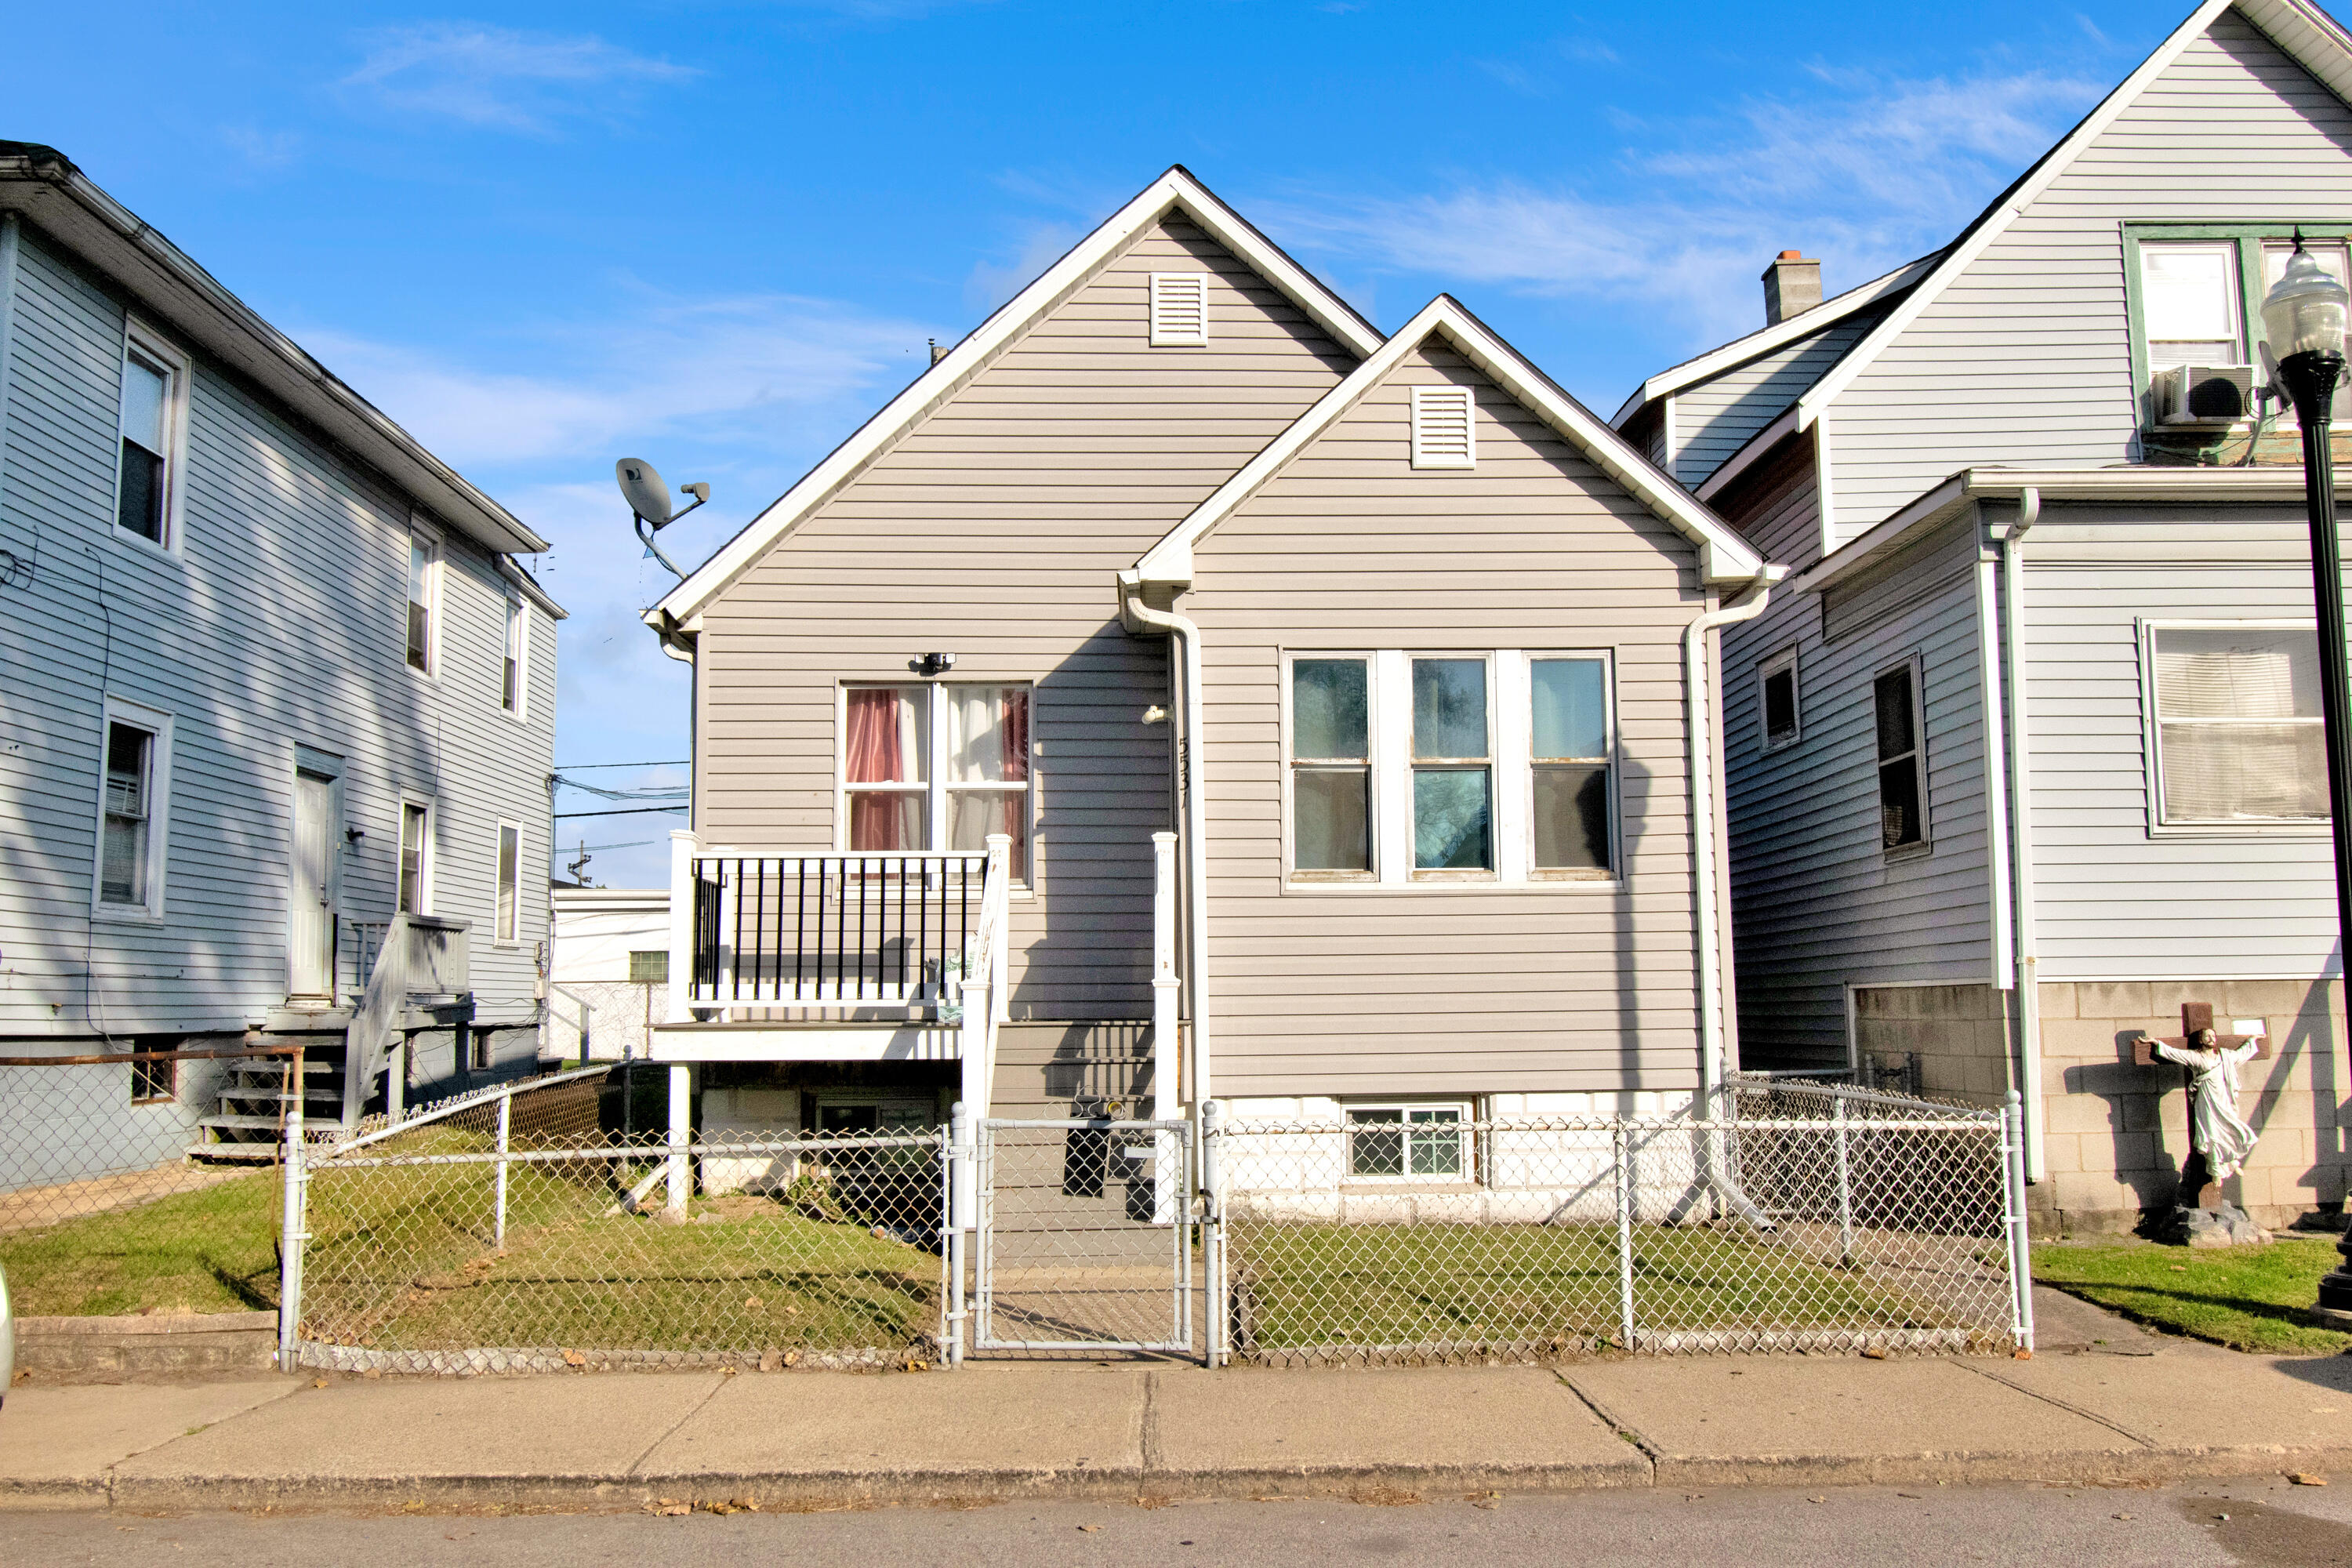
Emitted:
<point x="2258" y="1523"/>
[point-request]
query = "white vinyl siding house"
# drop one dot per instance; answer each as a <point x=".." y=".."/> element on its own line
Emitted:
<point x="209" y="734"/>
<point x="2034" y="482"/>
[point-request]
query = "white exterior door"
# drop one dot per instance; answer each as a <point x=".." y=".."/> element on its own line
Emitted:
<point x="317" y="836"/>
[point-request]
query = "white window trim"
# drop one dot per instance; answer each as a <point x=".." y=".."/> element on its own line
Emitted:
<point x="1926" y="842"/>
<point x="427" y="870"/>
<point x="1290" y="871"/>
<point x="137" y="335"/>
<point x="436" y="595"/>
<point x="1472" y="1161"/>
<point x="515" y="622"/>
<point x="1468" y="396"/>
<point x="934" y="789"/>
<point x="2145" y="629"/>
<point x="1511" y="739"/>
<point x="158" y="723"/>
<point x="498" y="837"/>
<point x="1164" y="281"/>
<point x="1766" y="668"/>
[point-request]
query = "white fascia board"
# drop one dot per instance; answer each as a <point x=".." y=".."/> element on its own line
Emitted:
<point x="1724" y="556"/>
<point x="1174" y="189"/>
<point x="1993" y="223"/>
<point x="1740" y="351"/>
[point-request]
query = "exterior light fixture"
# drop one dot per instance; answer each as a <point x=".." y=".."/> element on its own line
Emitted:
<point x="936" y="663"/>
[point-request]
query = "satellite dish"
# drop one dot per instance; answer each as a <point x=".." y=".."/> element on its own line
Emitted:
<point x="644" y="489"/>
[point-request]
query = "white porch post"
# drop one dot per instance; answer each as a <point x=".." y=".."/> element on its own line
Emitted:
<point x="681" y="1134"/>
<point x="972" y="1109"/>
<point x="683" y="843"/>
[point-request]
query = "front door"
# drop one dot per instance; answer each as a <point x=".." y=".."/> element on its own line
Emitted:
<point x="317" y="835"/>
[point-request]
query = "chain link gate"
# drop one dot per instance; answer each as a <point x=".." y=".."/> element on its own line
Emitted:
<point x="1085" y="1236"/>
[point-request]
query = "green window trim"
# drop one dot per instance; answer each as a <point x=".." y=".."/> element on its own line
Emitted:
<point x="2250" y="238"/>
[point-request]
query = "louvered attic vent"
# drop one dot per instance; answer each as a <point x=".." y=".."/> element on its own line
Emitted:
<point x="1180" y="309"/>
<point x="1442" y="434"/>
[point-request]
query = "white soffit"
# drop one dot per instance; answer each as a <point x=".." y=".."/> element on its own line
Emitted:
<point x="2301" y="30"/>
<point x="1176" y="189"/>
<point x="1724" y="556"/>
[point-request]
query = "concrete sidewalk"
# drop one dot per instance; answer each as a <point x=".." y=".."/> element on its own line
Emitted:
<point x="2131" y="1409"/>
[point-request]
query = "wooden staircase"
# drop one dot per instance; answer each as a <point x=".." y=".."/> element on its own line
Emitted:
<point x="251" y="1121"/>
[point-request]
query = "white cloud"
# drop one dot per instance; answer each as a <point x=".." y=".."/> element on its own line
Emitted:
<point x="991" y="283"/>
<point x="754" y="368"/>
<point x="499" y="78"/>
<point x="1879" y="173"/>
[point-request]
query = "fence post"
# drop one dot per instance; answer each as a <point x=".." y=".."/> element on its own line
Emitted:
<point x="681" y="1132"/>
<point x="292" y="1231"/>
<point x="2021" y="1244"/>
<point x="506" y="1128"/>
<point x="1212" y="1234"/>
<point x="957" y="1202"/>
<point x="1845" y="1183"/>
<point x="1624" y="1233"/>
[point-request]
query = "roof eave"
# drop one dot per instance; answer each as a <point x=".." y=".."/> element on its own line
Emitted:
<point x="43" y="185"/>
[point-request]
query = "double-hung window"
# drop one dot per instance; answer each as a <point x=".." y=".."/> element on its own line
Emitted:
<point x="1458" y="768"/>
<point x="1331" y="767"/>
<point x="944" y="763"/>
<point x="1407" y="1141"/>
<point x="1902" y="774"/>
<point x="416" y="857"/>
<point x="152" y="408"/>
<point x="2238" y="739"/>
<point x="423" y="599"/>
<point x="134" y="786"/>
<point x="2198" y="292"/>
<point x="1775" y="700"/>
<point x="518" y="644"/>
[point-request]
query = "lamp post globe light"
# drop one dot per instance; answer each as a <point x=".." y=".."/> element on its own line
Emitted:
<point x="2304" y="318"/>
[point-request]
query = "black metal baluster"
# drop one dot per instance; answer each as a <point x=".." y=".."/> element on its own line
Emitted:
<point x="800" y="924"/>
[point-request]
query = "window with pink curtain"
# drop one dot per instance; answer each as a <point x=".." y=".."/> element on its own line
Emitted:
<point x="885" y="753"/>
<point x="988" y="768"/>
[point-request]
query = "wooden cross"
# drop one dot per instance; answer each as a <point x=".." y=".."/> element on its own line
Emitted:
<point x="2198" y="1188"/>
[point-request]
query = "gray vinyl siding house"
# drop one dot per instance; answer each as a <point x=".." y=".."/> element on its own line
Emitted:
<point x="1139" y="528"/>
<point x="262" y="643"/>
<point x="1985" y="489"/>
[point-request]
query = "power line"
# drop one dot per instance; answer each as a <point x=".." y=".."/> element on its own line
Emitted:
<point x="584" y="767"/>
<point x="635" y="811"/>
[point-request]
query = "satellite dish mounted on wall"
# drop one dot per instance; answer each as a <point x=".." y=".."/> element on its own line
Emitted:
<point x="649" y="506"/>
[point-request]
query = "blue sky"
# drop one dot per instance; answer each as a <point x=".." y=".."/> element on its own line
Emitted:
<point x="717" y="235"/>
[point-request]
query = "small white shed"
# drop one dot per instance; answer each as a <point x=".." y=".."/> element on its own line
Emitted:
<point x="610" y="970"/>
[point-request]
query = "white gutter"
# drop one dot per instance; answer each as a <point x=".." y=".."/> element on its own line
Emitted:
<point x="2021" y="830"/>
<point x="1702" y="811"/>
<point x="1135" y="614"/>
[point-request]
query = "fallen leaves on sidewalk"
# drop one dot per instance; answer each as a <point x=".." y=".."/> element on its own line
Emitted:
<point x="2305" y="1478"/>
<point x="1384" y="1497"/>
<point x="1088" y="1529"/>
<point x="669" y="1508"/>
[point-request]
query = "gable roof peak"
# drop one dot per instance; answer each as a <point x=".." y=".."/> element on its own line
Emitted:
<point x="1177" y="187"/>
<point x="1724" y="556"/>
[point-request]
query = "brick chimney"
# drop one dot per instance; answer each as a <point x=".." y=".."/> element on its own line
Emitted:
<point x="1793" y="286"/>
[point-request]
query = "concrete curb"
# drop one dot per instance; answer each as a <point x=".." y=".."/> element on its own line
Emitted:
<point x="852" y="1489"/>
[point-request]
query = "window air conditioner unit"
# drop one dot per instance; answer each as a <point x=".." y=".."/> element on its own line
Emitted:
<point x="2205" y="393"/>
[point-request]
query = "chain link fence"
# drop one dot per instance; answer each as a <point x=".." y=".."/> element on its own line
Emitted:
<point x="1799" y="1217"/>
<point x="603" y="1020"/>
<point x="533" y="1229"/>
<point x="116" y="1198"/>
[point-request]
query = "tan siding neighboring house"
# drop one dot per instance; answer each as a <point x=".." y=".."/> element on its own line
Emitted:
<point x="993" y="530"/>
<point x="1436" y="989"/>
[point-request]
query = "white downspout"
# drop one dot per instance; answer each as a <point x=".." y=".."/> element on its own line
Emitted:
<point x="1196" y="818"/>
<point x="1698" y="730"/>
<point x="2021" y="830"/>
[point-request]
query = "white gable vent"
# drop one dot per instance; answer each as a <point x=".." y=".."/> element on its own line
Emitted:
<point x="1444" y="434"/>
<point x="1180" y="309"/>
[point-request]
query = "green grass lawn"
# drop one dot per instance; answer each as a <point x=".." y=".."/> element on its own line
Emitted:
<point x="1537" y="1286"/>
<point x="2249" y="1298"/>
<point x="214" y="1251"/>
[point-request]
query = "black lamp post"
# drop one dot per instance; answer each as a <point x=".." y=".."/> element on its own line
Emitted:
<point x="2304" y="317"/>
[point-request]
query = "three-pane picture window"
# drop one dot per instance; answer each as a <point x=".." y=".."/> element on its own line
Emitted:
<point x="2238" y="738"/>
<point x="944" y="764"/>
<point x="1455" y="767"/>
<point x="1902" y="778"/>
